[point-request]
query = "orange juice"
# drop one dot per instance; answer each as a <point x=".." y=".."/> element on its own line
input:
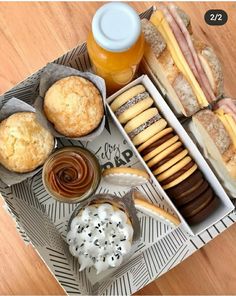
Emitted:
<point x="115" y="44"/>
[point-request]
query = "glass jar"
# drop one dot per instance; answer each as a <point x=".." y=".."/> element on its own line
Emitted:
<point x="115" y="44"/>
<point x="71" y="174"/>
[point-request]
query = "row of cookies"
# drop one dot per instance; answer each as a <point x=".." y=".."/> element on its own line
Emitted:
<point x="165" y="154"/>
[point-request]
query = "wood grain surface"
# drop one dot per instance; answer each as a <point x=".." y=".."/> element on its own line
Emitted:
<point x="32" y="34"/>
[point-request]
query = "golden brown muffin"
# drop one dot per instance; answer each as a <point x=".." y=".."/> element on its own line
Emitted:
<point x="74" y="105"/>
<point x="25" y="144"/>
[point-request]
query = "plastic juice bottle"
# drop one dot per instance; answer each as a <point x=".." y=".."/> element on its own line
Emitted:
<point x="115" y="44"/>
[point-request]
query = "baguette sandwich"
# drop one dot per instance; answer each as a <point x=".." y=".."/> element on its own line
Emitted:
<point x="215" y="132"/>
<point x="187" y="69"/>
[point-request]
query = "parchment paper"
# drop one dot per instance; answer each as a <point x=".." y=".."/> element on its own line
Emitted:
<point x="54" y="72"/>
<point x="10" y="107"/>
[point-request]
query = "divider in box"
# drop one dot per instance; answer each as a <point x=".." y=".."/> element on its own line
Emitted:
<point x="224" y="205"/>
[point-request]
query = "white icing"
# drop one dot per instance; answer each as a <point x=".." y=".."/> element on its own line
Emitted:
<point x="114" y="260"/>
<point x="75" y="222"/>
<point x="85" y="261"/>
<point x="101" y="265"/>
<point x="129" y="180"/>
<point x="127" y="230"/>
<point x="118" y="217"/>
<point x="104" y="211"/>
<point x="100" y="237"/>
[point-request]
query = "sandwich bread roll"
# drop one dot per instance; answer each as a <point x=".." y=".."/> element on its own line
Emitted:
<point x="215" y="131"/>
<point x="186" y="68"/>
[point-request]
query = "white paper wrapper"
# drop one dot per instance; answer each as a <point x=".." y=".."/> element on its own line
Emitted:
<point x="127" y="203"/>
<point x="10" y="107"/>
<point x="51" y="74"/>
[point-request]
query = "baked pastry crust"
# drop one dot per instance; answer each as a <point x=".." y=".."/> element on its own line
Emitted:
<point x="25" y="144"/>
<point x="74" y="106"/>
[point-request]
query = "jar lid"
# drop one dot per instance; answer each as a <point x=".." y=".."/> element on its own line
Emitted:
<point x="116" y="26"/>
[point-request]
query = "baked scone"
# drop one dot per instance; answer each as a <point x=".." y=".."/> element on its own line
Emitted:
<point x="25" y="144"/>
<point x="74" y="106"/>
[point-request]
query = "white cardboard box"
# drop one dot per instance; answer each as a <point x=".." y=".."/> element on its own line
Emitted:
<point x="225" y="206"/>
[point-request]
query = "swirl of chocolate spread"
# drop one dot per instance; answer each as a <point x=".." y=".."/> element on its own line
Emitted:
<point x="70" y="174"/>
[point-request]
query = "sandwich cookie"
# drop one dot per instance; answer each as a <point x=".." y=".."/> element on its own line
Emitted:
<point x="183" y="174"/>
<point x="191" y="194"/>
<point x="159" y="146"/>
<point x="170" y="160"/>
<point x="151" y="164"/>
<point x="205" y="212"/>
<point x="155" y="212"/>
<point x="131" y="103"/>
<point x="123" y="176"/>
<point x="155" y="138"/>
<point x="144" y="126"/>
<point x="185" y="185"/>
<point x="196" y="205"/>
<point x="174" y="169"/>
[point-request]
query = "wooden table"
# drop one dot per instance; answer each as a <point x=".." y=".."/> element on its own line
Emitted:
<point x="31" y="34"/>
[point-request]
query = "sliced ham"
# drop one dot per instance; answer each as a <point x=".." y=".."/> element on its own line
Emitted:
<point x="185" y="42"/>
<point x="228" y="105"/>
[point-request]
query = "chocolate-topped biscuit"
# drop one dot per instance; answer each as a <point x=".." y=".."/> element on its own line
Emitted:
<point x="193" y="207"/>
<point x="157" y="144"/>
<point x="179" y="173"/>
<point x="185" y="185"/>
<point x="205" y="212"/>
<point x="193" y="193"/>
<point x="167" y="158"/>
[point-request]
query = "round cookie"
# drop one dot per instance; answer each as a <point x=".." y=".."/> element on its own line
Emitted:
<point x="131" y="103"/>
<point x="141" y="119"/>
<point x="170" y="160"/>
<point x="155" y="138"/>
<point x="160" y="148"/>
<point x="197" y="190"/>
<point x="126" y="96"/>
<point x="74" y="106"/>
<point x="178" y="173"/>
<point x="180" y="178"/>
<point x="156" y="144"/>
<point x="205" y="212"/>
<point x="154" y="211"/>
<point x="196" y="205"/>
<point x="174" y="169"/>
<point x="144" y="126"/>
<point x="185" y="185"/>
<point x="163" y="154"/>
<point x="25" y="144"/>
<point x="125" y="176"/>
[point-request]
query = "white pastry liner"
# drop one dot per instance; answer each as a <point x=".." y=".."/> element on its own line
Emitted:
<point x="51" y="74"/>
<point x="10" y="107"/>
<point x="126" y="202"/>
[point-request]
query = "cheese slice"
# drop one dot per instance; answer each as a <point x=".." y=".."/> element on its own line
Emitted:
<point x="228" y="123"/>
<point x="162" y="25"/>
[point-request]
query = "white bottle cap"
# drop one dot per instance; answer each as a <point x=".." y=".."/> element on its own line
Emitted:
<point x="116" y="26"/>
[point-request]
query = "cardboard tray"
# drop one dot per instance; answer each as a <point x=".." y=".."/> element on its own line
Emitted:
<point x="42" y="221"/>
